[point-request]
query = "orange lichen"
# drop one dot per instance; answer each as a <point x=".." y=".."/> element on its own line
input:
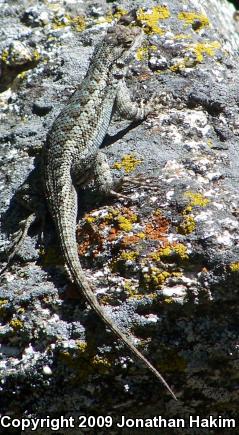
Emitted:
<point x="157" y="229"/>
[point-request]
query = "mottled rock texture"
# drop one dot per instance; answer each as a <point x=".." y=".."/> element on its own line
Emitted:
<point x="165" y="264"/>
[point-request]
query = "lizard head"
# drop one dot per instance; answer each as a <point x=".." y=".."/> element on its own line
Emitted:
<point x="123" y="41"/>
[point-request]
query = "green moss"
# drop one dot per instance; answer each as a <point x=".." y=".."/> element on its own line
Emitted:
<point x="191" y="17"/>
<point x="129" y="163"/>
<point x="150" y="19"/>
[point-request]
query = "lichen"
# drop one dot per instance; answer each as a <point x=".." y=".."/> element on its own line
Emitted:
<point x="115" y="15"/>
<point x="196" y="199"/>
<point x="84" y="361"/>
<point x="142" y="53"/>
<point x="209" y="48"/>
<point x="234" y="267"/>
<point x="187" y="226"/>
<point x="129" y="163"/>
<point x="181" y="250"/>
<point x="124" y="223"/>
<point x="77" y="23"/>
<point x="16" y="324"/>
<point x="190" y="18"/>
<point x="128" y="255"/>
<point x="5" y="54"/>
<point x="155" y="277"/>
<point x="150" y="18"/>
<point x="198" y="51"/>
<point x="170" y="250"/>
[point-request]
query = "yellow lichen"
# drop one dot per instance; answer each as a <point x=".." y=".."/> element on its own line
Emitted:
<point x="3" y="302"/>
<point x="141" y="235"/>
<point x="84" y="361"/>
<point x="171" y="249"/>
<point x="36" y="55"/>
<point x="21" y="310"/>
<point x="155" y="277"/>
<point x="129" y="163"/>
<point x="191" y="17"/>
<point x="209" y="48"/>
<point x="100" y="362"/>
<point x="90" y="219"/>
<point x="126" y="224"/>
<point x="22" y="75"/>
<point x="187" y="226"/>
<point x="16" y="324"/>
<point x="181" y="251"/>
<point x="78" y="23"/>
<point x="60" y="22"/>
<point x="5" y="54"/>
<point x="182" y="36"/>
<point x="198" y="51"/>
<point x="150" y="18"/>
<point x="116" y="15"/>
<point x="81" y="346"/>
<point x="168" y="300"/>
<point x="128" y="255"/>
<point x="130" y="289"/>
<point x="141" y="53"/>
<point x="196" y="199"/>
<point x="234" y="266"/>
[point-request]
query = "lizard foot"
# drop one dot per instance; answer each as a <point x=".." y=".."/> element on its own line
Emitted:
<point x="147" y="183"/>
<point x="18" y="239"/>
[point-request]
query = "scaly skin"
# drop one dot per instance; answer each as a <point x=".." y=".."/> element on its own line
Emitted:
<point x="72" y="154"/>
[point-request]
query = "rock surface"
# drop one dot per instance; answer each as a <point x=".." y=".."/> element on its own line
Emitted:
<point x="165" y="264"/>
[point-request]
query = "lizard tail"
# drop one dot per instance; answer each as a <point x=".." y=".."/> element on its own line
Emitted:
<point x="73" y="263"/>
<point x="65" y="223"/>
<point x="91" y="298"/>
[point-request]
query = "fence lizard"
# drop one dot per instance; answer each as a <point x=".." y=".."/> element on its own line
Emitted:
<point x="72" y="155"/>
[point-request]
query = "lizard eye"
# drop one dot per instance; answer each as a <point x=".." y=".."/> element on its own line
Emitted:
<point x="128" y="43"/>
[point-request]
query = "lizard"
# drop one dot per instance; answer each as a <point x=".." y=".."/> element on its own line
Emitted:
<point x="71" y="156"/>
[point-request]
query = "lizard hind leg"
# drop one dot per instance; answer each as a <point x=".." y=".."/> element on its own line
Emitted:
<point x="18" y="239"/>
